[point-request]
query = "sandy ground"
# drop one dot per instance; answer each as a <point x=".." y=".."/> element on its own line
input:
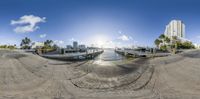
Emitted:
<point x="28" y="76"/>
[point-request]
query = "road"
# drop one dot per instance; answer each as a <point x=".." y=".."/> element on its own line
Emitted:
<point x="28" y="76"/>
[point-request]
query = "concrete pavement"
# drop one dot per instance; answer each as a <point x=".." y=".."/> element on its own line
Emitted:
<point x="28" y="76"/>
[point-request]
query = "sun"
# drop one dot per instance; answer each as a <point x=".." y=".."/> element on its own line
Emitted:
<point x="100" y="40"/>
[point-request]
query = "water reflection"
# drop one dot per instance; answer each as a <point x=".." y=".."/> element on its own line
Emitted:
<point x="109" y="55"/>
<point x="107" y="58"/>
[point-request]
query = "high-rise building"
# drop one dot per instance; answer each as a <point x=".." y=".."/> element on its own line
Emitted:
<point x="175" y="28"/>
<point x="75" y="45"/>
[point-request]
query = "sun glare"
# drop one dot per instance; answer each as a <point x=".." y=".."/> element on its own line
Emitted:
<point x="100" y="40"/>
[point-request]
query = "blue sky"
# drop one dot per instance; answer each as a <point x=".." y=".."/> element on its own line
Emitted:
<point x="99" y="22"/>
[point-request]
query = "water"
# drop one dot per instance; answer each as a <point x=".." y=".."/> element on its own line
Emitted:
<point x="109" y="55"/>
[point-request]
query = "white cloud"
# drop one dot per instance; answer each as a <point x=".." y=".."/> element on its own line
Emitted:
<point x="124" y="38"/>
<point x="43" y="35"/>
<point x="198" y="36"/>
<point x="27" y="23"/>
<point x="71" y="39"/>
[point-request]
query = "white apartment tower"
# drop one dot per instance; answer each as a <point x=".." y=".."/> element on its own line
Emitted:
<point x="175" y="28"/>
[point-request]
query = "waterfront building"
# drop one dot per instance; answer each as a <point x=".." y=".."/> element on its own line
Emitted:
<point x="197" y="46"/>
<point x="75" y="45"/>
<point x="175" y="28"/>
<point x="75" y="48"/>
<point x="37" y="45"/>
<point x="69" y="47"/>
<point x="82" y="47"/>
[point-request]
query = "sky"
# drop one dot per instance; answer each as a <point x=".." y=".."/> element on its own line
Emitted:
<point x="107" y="23"/>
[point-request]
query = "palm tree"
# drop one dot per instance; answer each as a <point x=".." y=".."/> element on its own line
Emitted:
<point x="55" y="46"/>
<point x="25" y="43"/>
<point x="174" y="44"/>
<point x="162" y="36"/>
<point x="157" y="42"/>
<point x="48" y="43"/>
<point x="174" y="40"/>
<point x="167" y="40"/>
<point x="164" y="40"/>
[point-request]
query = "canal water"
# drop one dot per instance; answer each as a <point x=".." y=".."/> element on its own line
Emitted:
<point x="108" y="57"/>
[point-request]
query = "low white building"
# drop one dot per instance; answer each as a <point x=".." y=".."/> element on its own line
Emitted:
<point x="82" y="47"/>
<point x="69" y="47"/>
<point x="37" y="45"/>
<point x="197" y="46"/>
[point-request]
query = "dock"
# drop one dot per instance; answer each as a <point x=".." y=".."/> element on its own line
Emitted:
<point x="140" y="53"/>
<point x="78" y="55"/>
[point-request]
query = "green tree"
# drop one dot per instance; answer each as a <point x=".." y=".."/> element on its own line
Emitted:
<point x="157" y="42"/>
<point x="175" y="44"/>
<point x="187" y="45"/>
<point x="162" y="36"/>
<point x="179" y="45"/>
<point x="167" y="40"/>
<point x="25" y="43"/>
<point x="55" y="46"/>
<point x="162" y="39"/>
<point x="11" y="47"/>
<point x="3" y="46"/>
<point x="48" y="46"/>
<point x="163" y="47"/>
<point x="48" y="43"/>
